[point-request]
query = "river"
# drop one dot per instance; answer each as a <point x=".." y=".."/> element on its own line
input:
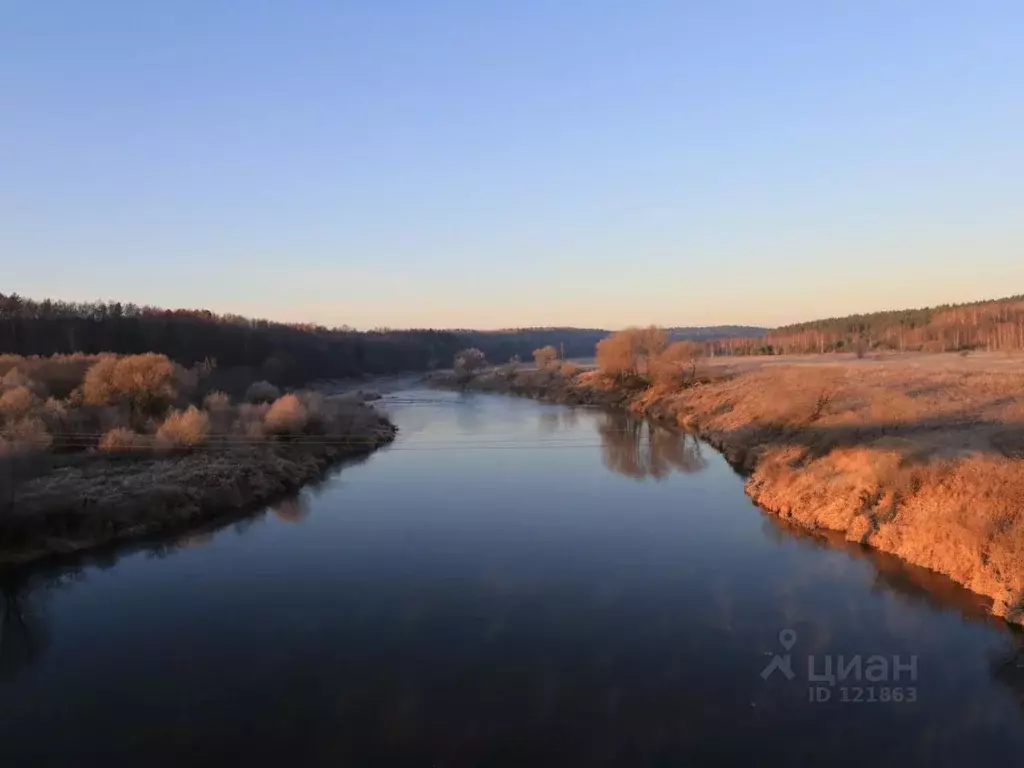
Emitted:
<point x="510" y="584"/>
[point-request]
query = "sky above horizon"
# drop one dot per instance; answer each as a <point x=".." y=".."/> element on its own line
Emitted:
<point x="483" y="164"/>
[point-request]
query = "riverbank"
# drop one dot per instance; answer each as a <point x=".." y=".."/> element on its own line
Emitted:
<point x="80" y="502"/>
<point x="923" y="461"/>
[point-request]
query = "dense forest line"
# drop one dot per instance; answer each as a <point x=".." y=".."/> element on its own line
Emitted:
<point x="499" y="346"/>
<point x="241" y="349"/>
<point x="992" y="325"/>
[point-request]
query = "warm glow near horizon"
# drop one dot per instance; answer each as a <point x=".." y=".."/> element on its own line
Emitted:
<point x="691" y="165"/>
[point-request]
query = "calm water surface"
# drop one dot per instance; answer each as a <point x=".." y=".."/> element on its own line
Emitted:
<point x="509" y="584"/>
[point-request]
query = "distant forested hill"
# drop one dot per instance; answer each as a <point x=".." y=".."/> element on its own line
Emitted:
<point x="711" y="332"/>
<point x="292" y="354"/>
<point x="288" y="354"/>
<point x="499" y="346"/>
<point x="996" y="324"/>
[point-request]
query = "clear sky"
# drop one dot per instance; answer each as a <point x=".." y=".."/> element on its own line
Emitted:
<point x="539" y="162"/>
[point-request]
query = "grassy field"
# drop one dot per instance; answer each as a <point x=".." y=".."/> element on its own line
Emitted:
<point x="945" y="361"/>
<point x="918" y="455"/>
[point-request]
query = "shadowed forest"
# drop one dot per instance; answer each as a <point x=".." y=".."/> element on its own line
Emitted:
<point x="239" y="350"/>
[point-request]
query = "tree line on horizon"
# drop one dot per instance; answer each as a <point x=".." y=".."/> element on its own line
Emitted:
<point x="239" y="350"/>
<point x="990" y="325"/>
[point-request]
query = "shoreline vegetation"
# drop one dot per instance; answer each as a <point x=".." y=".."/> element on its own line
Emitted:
<point x="920" y="456"/>
<point x="96" y="449"/>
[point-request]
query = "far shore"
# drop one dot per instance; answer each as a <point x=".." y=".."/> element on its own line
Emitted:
<point x="921" y="456"/>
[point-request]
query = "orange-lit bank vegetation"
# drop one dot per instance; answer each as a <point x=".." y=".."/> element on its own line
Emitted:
<point x="99" y="447"/>
<point x="918" y="455"/>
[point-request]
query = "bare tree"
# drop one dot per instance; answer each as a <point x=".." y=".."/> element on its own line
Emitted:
<point x="545" y="358"/>
<point x="468" y="362"/>
<point x="678" y="363"/>
<point x="632" y="351"/>
<point x="860" y="347"/>
<point x="509" y="369"/>
<point x="640" y="450"/>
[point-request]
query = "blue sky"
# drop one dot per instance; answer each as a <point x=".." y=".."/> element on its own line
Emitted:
<point x="476" y="163"/>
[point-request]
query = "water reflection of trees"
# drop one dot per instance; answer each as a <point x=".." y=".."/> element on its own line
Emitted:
<point x="1006" y="665"/>
<point x="560" y="418"/>
<point x="25" y="592"/>
<point x="638" y="449"/>
<point x="24" y="625"/>
<point x="293" y="509"/>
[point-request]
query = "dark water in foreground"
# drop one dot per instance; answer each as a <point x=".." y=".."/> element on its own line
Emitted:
<point x="510" y="584"/>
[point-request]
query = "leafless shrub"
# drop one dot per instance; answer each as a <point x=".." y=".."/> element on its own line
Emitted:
<point x="185" y="381"/>
<point x="14" y="379"/>
<point x="288" y="415"/>
<point x="509" y="369"/>
<point x="122" y="439"/>
<point x="98" y="387"/>
<point x="26" y="435"/>
<point x="860" y="348"/>
<point x="218" y="407"/>
<point x="820" y="404"/>
<point x="216" y="401"/>
<point x="570" y="370"/>
<point x="17" y="403"/>
<point x="56" y="375"/>
<point x="631" y="352"/>
<point x="186" y="428"/>
<point x="262" y="392"/>
<point x="677" y="364"/>
<point x="318" y="410"/>
<point x="545" y="358"/>
<point x="469" y="361"/>
<point x="54" y="414"/>
<point x="249" y="420"/>
<point x="148" y="383"/>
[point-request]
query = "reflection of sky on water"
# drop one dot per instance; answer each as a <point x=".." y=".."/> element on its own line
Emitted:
<point x="509" y="581"/>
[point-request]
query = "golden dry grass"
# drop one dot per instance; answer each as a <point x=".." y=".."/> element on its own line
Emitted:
<point x="921" y="460"/>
